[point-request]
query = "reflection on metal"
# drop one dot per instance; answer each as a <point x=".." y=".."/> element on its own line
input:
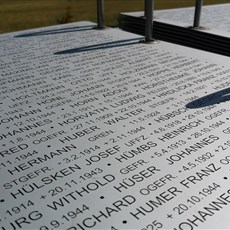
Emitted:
<point x="100" y="14"/>
<point x="196" y="23"/>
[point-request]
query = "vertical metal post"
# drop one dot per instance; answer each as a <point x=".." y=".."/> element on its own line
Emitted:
<point x="149" y="20"/>
<point x="100" y="14"/>
<point x="146" y="6"/>
<point x="197" y="14"/>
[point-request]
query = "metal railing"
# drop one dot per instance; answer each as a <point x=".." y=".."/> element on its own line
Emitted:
<point x="148" y="21"/>
<point x="148" y="17"/>
<point x="197" y="14"/>
<point x="100" y="14"/>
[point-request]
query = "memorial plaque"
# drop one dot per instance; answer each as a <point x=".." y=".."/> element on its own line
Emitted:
<point x="214" y="18"/>
<point x="101" y="131"/>
<point x="176" y="26"/>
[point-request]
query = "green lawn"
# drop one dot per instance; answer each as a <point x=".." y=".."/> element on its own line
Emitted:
<point x="23" y="14"/>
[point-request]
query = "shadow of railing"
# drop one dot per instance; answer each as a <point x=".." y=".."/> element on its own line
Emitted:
<point x="211" y="99"/>
<point x="105" y="45"/>
<point x="57" y="31"/>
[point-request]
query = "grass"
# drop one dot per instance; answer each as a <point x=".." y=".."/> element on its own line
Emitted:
<point x="25" y="14"/>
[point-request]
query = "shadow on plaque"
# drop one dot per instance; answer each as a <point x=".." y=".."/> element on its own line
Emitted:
<point x="56" y="31"/>
<point x="101" y="46"/>
<point x="211" y="99"/>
